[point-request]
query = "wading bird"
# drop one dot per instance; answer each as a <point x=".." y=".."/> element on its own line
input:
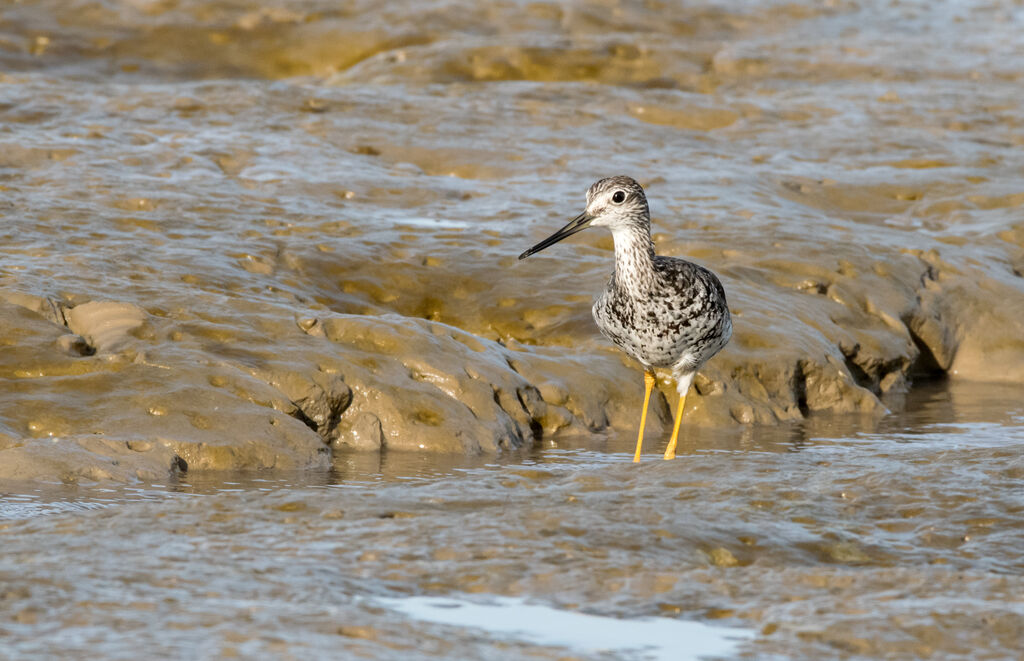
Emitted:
<point x="663" y="311"/>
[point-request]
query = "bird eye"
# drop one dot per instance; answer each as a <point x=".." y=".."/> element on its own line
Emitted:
<point x="618" y="197"/>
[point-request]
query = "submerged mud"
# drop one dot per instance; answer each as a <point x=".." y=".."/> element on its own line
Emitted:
<point x="241" y="237"/>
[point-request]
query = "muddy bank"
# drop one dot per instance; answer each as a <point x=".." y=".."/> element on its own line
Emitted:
<point x="261" y="251"/>
<point x="117" y="391"/>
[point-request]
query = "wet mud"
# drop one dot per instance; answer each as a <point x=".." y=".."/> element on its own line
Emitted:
<point x="240" y="237"/>
<point x="269" y="362"/>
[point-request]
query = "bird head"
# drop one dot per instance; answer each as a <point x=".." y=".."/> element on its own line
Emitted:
<point x="614" y="202"/>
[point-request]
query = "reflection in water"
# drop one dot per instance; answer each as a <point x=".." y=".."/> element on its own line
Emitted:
<point x="660" y="639"/>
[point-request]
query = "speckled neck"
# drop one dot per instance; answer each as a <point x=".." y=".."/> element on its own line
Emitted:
<point x="634" y="257"/>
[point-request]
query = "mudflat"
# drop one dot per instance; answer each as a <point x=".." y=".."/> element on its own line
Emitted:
<point x="238" y="237"/>
<point x="267" y="354"/>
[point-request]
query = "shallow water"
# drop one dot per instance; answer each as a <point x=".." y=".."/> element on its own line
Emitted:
<point x="893" y="540"/>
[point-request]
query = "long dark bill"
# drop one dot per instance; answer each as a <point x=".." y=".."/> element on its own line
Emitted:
<point x="579" y="223"/>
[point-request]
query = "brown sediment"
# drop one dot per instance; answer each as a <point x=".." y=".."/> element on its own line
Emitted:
<point x="279" y="390"/>
<point x="219" y="271"/>
<point x="258" y="266"/>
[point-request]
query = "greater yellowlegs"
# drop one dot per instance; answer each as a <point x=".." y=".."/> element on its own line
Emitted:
<point x="664" y="311"/>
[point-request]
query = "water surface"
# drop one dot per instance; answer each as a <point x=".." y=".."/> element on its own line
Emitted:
<point x="897" y="540"/>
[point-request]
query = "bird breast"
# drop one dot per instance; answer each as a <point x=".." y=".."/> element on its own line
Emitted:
<point x="670" y="323"/>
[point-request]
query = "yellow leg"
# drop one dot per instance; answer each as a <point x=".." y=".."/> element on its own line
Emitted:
<point x="670" y="451"/>
<point x="648" y="385"/>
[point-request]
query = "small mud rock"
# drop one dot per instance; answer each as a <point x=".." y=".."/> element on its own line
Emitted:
<point x="359" y="432"/>
<point x="105" y="325"/>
